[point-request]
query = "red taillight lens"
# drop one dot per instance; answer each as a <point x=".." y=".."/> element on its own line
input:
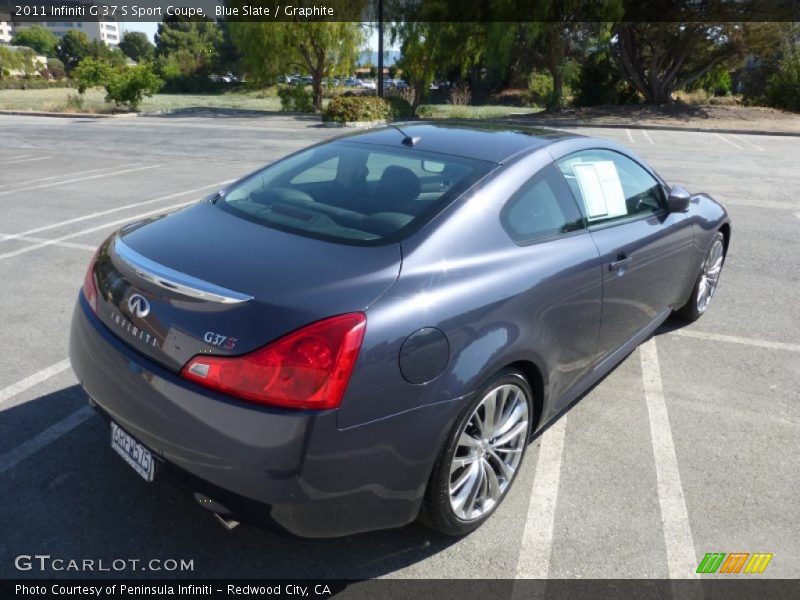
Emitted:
<point x="89" y="284"/>
<point x="309" y="368"/>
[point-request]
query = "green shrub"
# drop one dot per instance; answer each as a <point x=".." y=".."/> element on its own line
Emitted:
<point x="540" y="88"/>
<point x="56" y="68"/>
<point x="348" y="109"/>
<point x="783" y="87"/>
<point x="401" y="108"/>
<point x="295" y="98"/>
<point x="91" y="73"/>
<point x="130" y="85"/>
<point x="19" y="83"/>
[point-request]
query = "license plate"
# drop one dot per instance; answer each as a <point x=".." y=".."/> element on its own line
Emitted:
<point x="136" y="455"/>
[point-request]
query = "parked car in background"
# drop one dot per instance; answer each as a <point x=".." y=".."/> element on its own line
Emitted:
<point x="371" y="330"/>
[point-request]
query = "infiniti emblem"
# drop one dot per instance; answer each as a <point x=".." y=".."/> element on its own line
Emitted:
<point x="138" y="305"/>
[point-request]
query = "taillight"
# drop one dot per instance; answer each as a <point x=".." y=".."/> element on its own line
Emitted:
<point x="308" y="368"/>
<point x="89" y="283"/>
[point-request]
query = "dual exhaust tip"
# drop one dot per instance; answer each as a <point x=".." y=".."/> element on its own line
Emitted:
<point x="221" y="513"/>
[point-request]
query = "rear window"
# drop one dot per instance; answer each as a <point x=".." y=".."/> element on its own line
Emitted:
<point x="353" y="193"/>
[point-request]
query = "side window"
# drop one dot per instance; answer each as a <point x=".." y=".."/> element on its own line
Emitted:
<point x="542" y="208"/>
<point x="319" y="173"/>
<point x="610" y="186"/>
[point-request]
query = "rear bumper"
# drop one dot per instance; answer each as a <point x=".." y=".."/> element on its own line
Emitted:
<point x="294" y="468"/>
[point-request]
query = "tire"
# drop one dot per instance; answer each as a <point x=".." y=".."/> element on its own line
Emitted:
<point x="707" y="280"/>
<point x="472" y="472"/>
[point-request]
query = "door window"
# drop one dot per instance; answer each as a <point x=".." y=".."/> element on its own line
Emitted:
<point x="542" y="208"/>
<point x="610" y="186"/>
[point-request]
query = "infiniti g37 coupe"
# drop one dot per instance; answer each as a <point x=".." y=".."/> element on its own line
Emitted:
<point x="371" y="330"/>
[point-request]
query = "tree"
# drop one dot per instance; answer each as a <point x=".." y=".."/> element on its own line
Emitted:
<point x="73" y="48"/>
<point x="8" y="61"/>
<point x="129" y="85"/>
<point x="322" y="49"/>
<point x="658" y="58"/>
<point x="38" y="37"/>
<point x="137" y="46"/>
<point x="186" y="52"/>
<point x="91" y="72"/>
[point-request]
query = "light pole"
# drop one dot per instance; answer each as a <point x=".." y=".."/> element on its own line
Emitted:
<point x="380" y="48"/>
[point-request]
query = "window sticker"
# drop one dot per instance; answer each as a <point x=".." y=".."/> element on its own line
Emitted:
<point x="601" y="189"/>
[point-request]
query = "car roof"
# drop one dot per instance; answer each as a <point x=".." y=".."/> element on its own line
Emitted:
<point x="492" y="142"/>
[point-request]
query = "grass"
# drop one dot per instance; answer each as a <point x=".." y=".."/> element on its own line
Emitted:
<point x="449" y="111"/>
<point x="63" y="100"/>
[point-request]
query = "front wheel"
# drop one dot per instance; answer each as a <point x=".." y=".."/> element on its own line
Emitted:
<point x="707" y="281"/>
<point x="481" y="457"/>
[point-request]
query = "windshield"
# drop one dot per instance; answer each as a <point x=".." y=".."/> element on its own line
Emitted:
<point x="352" y="192"/>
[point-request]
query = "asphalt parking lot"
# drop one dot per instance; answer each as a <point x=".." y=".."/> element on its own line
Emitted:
<point x="690" y="446"/>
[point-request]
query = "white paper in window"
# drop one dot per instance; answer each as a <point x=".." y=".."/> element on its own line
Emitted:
<point x="601" y="189"/>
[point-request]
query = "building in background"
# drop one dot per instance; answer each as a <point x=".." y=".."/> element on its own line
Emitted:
<point x="107" y="30"/>
<point x="6" y="30"/>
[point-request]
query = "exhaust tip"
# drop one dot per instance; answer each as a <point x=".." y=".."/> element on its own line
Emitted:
<point x="228" y="524"/>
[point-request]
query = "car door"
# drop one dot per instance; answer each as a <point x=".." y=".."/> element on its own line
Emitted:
<point x="645" y="251"/>
<point x="561" y="262"/>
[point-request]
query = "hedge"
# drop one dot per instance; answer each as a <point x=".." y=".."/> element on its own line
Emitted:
<point x="349" y="109"/>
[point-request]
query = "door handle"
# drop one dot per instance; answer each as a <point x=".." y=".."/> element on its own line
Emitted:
<point x="620" y="265"/>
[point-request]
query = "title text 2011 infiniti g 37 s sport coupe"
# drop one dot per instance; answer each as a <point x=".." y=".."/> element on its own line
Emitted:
<point x="369" y="331"/>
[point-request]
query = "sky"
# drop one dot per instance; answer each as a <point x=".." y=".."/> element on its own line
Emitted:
<point x="150" y="29"/>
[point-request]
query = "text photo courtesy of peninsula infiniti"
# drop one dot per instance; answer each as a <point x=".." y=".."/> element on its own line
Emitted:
<point x="370" y="331"/>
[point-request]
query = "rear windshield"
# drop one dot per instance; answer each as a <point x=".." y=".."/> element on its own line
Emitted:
<point x="353" y="193"/>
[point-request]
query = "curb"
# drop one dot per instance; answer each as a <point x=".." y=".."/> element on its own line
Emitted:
<point x="556" y="125"/>
<point x="64" y="115"/>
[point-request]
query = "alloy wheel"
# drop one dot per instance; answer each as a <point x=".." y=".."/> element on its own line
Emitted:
<point x="709" y="276"/>
<point x="488" y="452"/>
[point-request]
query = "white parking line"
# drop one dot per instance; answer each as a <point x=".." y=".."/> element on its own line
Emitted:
<point x="733" y="339"/>
<point x="726" y="140"/>
<point x="537" y="539"/>
<point x="630" y="137"/>
<point x="112" y="210"/>
<point x="17" y="388"/>
<point x="681" y="559"/>
<point x="14" y="162"/>
<point x="11" y="459"/>
<point x="748" y="142"/>
<point x="73" y="174"/>
<point x="13" y="157"/>
<point x="647" y="135"/>
<point x="27" y="238"/>
<point x="163" y="209"/>
<point x="46" y="185"/>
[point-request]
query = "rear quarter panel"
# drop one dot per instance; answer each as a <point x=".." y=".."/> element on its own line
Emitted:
<point x="462" y="274"/>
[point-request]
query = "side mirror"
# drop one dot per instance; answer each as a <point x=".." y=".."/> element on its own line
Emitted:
<point x="678" y="200"/>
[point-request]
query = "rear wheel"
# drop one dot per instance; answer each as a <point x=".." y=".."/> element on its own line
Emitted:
<point x="707" y="280"/>
<point x="481" y="457"/>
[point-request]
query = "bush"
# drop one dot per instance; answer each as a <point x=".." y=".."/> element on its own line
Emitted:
<point x="130" y="85"/>
<point x="540" y="88"/>
<point x="348" y="109"/>
<point x="91" y="73"/>
<point x="400" y="107"/>
<point x="56" y="68"/>
<point x="783" y="87"/>
<point x="18" y="83"/>
<point x="295" y="98"/>
<point x="460" y="95"/>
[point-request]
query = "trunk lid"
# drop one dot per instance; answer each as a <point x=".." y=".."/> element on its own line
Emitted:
<point x="204" y="280"/>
